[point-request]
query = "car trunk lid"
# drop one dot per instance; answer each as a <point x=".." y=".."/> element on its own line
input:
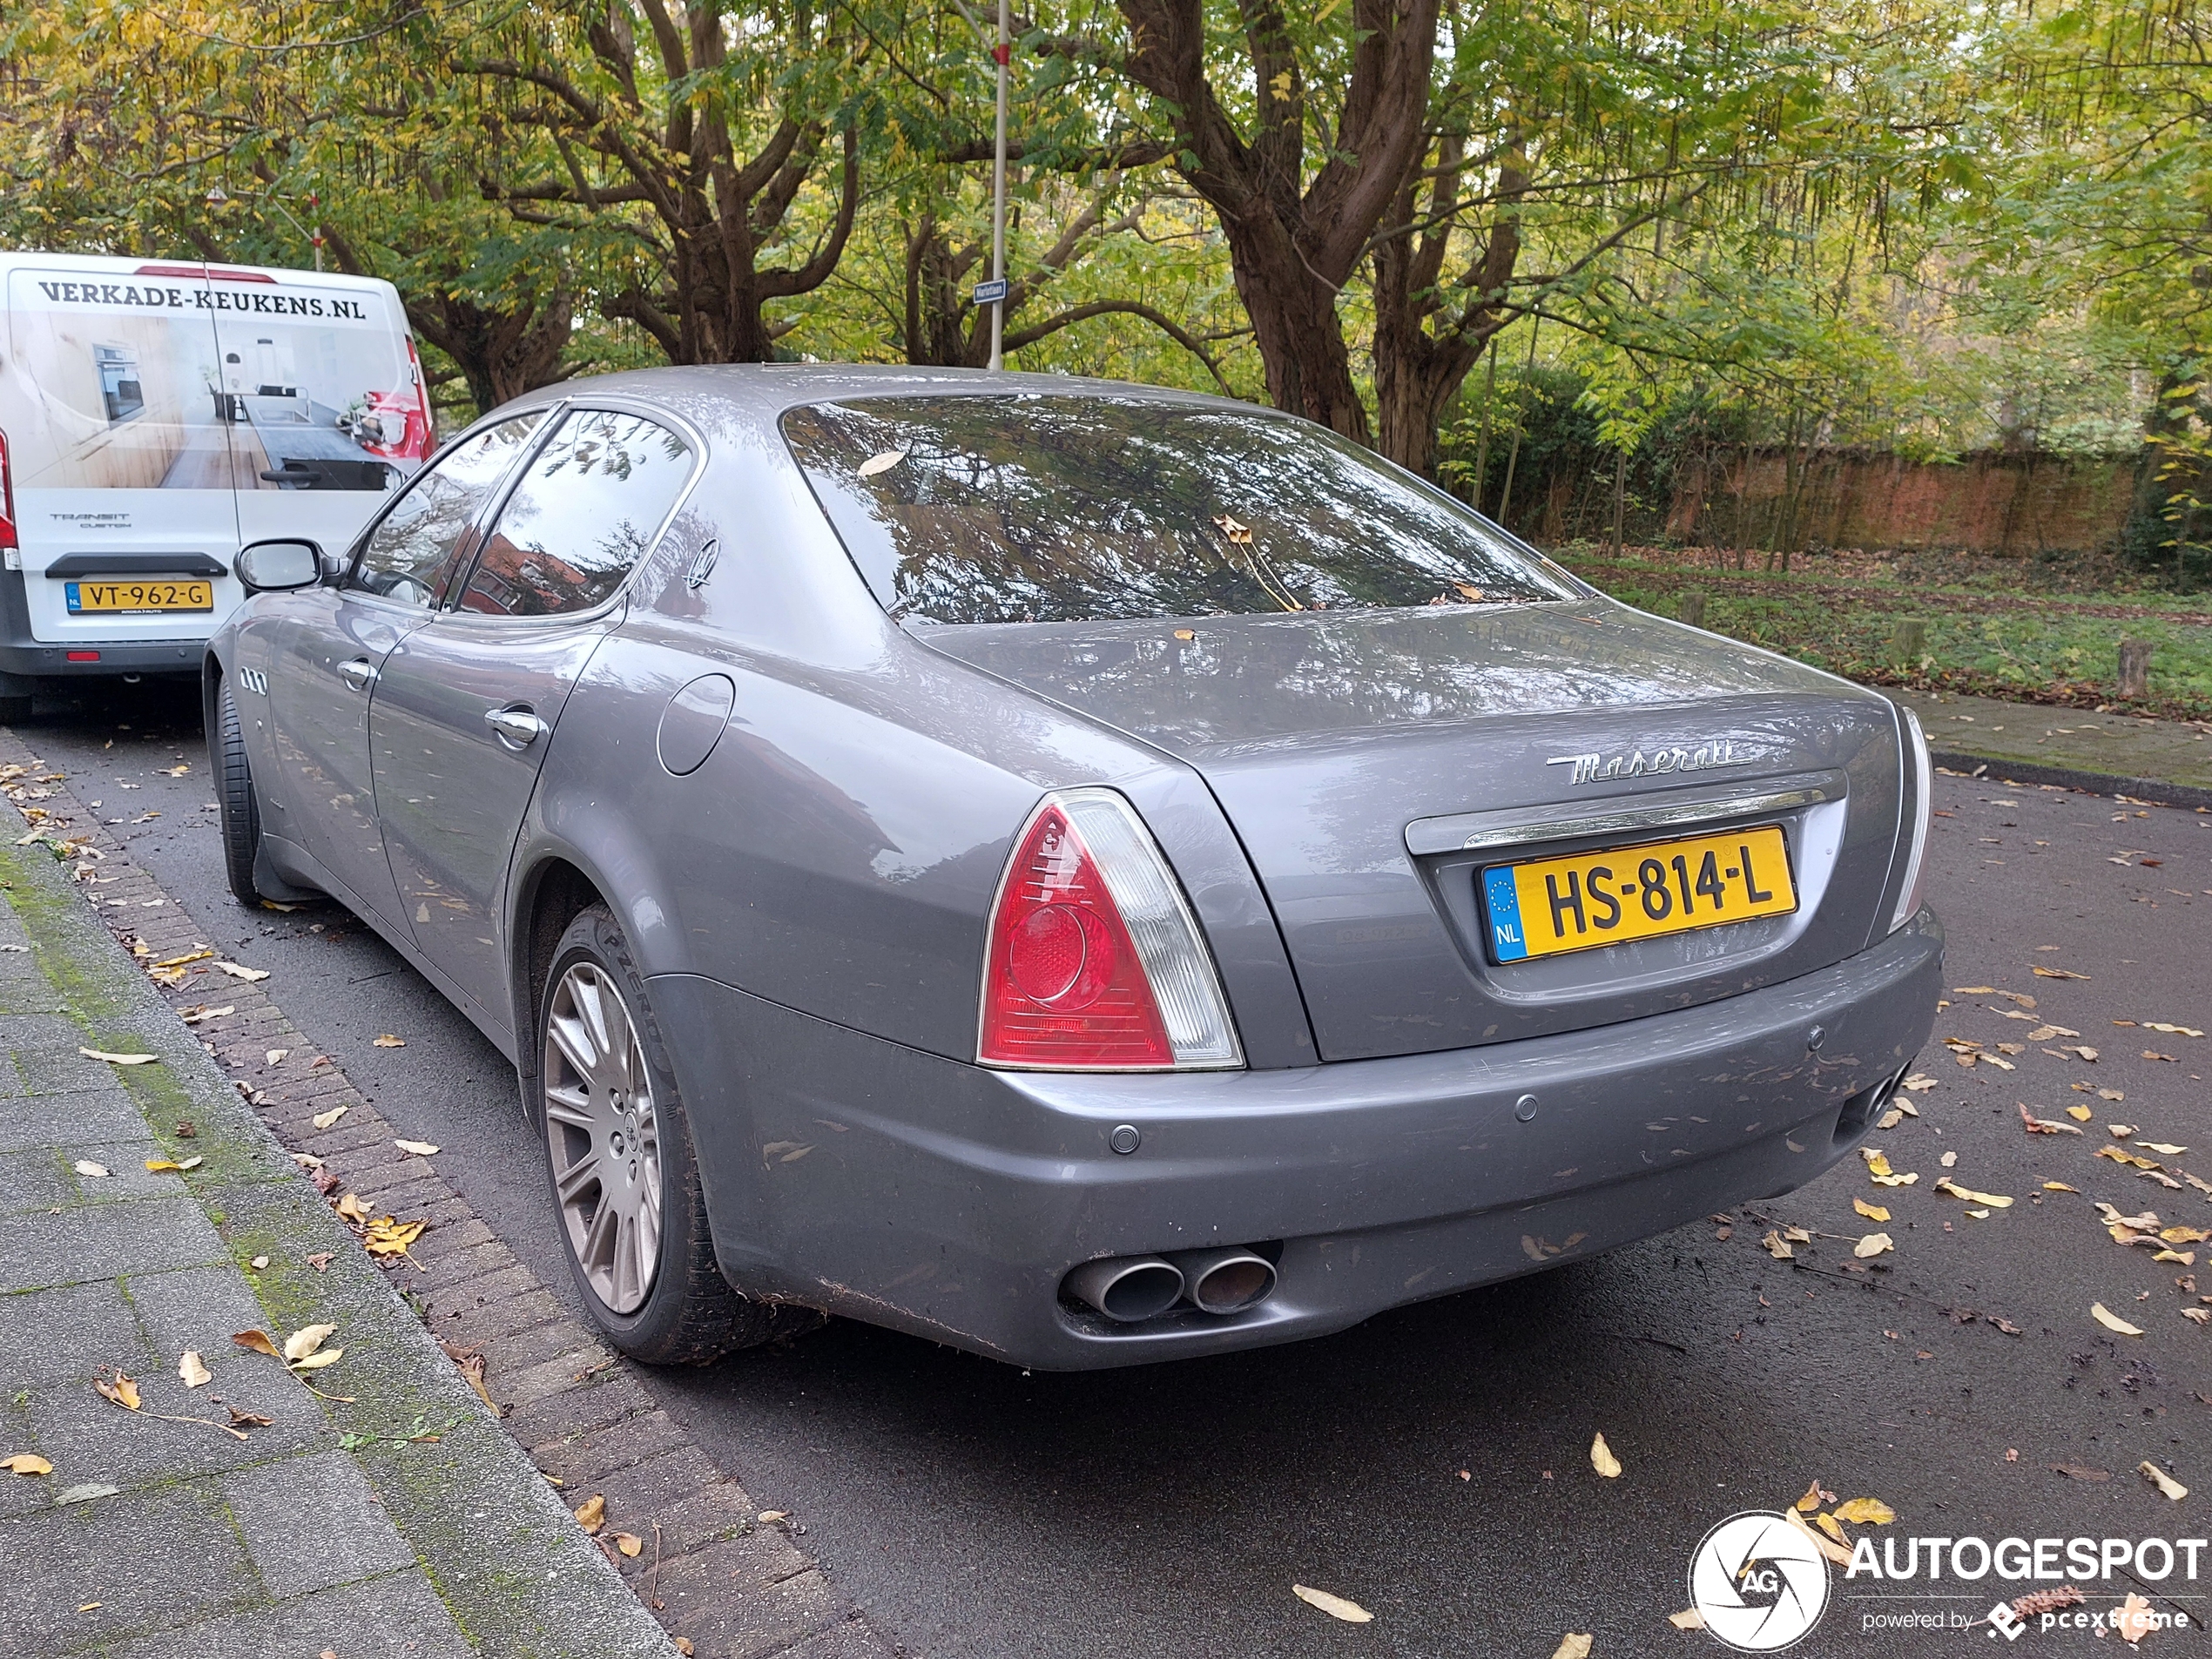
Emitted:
<point x="1375" y="764"/>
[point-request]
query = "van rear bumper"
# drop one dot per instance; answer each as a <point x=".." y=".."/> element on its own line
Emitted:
<point x="23" y="657"/>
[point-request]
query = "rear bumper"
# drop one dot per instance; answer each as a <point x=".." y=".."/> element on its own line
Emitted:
<point x="913" y="1191"/>
<point x="24" y="657"/>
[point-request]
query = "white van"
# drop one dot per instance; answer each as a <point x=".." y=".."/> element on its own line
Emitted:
<point x="154" y="418"/>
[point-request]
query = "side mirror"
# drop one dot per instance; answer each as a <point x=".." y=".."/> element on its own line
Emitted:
<point x="278" y="567"/>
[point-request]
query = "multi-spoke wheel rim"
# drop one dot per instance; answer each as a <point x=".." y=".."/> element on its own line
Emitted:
<point x="604" y="1137"/>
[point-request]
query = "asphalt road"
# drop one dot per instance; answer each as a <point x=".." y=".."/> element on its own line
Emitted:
<point x="1433" y="1465"/>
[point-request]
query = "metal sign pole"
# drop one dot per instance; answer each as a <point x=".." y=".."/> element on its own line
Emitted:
<point x="998" y="200"/>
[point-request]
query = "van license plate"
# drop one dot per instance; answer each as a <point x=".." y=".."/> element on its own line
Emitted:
<point x="1553" y="906"/>
<point x="143" y="594"/>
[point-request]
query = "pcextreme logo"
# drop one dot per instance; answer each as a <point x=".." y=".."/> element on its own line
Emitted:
<point x="1760" y="1582"/>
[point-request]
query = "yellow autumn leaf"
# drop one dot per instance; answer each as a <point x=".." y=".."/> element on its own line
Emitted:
<point x="237" y="971"/>
<point x="2164" y="1149"/>
<point x="2111" y="1321"/>
<point x="1872" y="1212"/>
<point x="1827" y="1524"/>
<point x="592" y="1514"/>
<point x="1865" y="1512"/>
<point x="191" y="1369"/>
<point x="258" y="1341"/>
<point x="119" y="1059"/>
<point x="387" y="1041"/>
<point x="420" y="1149"/>
<point x="1996" y="1200"/>
<point x="324" y="1120"/>
<point x="1601" y="1458"/>
<point x="305" y="1340"/>
<point x="1687" y="1619"/>
<point x="318" y="1360"/>
<point x="162" y="1166"/>
<point x="1777" y="1246"/>
<point x="1877" y="1163"/>
<point x="123" y="1390"/>
<point x="2058" y="1186"/>
<point x="1811" y="1501"/>
<point x="1576" y="1644"/>
<point x="350" y="1208"/>
<point x="2079" y="1114"/>
<point x="26" y="1463"/>
<point x="2165" y="1482"/>
<point x="1872" y="1245"/>
<point x="628" y="1542"/>
<point x="1828" y="1547"/>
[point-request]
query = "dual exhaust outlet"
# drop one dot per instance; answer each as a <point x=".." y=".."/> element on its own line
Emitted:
<point x="1130" y="1289"/>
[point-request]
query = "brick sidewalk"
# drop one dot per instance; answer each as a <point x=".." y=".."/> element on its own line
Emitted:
<point x="260" y="1511"/>
<point x="714" y="1572"/>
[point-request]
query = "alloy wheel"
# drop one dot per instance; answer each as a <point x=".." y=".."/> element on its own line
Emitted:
<point x="604" y="1137"/>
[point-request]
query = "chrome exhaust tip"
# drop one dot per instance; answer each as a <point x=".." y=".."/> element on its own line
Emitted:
<point x="1127" y="1288"/>
<point x="1228" y="1280"/>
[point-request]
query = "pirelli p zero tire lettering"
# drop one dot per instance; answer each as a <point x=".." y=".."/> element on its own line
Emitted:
<point x="618" y="1155"/>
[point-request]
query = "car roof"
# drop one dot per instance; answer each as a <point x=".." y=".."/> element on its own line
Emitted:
<point x="764" y="391"/>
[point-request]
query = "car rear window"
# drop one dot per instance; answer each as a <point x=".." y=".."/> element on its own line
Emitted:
<point x="1026" y="507"/>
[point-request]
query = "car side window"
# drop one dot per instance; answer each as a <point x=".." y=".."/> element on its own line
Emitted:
<point x="586" y="511"/>
<point x="415" y="546"/>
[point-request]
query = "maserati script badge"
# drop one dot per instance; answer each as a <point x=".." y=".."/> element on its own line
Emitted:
<point x="1603" y="768"/>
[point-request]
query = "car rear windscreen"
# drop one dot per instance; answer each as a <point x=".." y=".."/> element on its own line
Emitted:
<point x="1075" y="508"/>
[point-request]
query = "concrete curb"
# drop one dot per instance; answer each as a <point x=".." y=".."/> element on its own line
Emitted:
<point x="2153" y="791"/>
<point x="718" y="1576"/>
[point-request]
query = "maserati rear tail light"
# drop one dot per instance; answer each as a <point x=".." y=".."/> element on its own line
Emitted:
<point x="9" y="541"/>
<point x="1919" y="775"/>
<point x="1094" y="961"/>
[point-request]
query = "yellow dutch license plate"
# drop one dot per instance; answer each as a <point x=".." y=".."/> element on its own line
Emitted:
<point x="140" y="594"/>
<point x="1553" y="905"/>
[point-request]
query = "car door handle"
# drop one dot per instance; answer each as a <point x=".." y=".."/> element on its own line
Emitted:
<point x="361" y="673"/>
<point x="517" y="728"/>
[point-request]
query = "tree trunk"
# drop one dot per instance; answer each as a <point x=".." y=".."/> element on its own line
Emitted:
<point x="1294" y="324"/>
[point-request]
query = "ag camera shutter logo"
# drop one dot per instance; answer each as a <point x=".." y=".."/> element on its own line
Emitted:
<point x="1760" y="1582"/>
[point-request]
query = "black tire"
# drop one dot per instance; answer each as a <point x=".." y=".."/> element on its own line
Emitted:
<point x="692" y="1315"/>
<point x="234" y="798"/>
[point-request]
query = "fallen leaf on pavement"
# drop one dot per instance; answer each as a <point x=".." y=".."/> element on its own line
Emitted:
<point x="2164" y="1149"/>
<point x="1777" y="1246"/>
<point x="237" y="971"/>
<point x="2132" y="1618"/>
<point x="1974" y="990"/>
<point x="192" y="1369"/>
<point x="1576" y="1644"/>
<point x="2058" y="1186"/>
<point x="258" y="1341"/>
<point x="1813" y="1499"/>
<point x="1830" y="1525"/>
<point x="319" y="1359"/>
<point x="2043" y="1125"/>
<point x="1828" y="1547"/>
<point x="1687" y="1619"/>
<point x="274" y="1056"/>
<point x="420" y="1149"/>
<point x="118" y="1387"/>
<point x="1865" y="1512"/>
<point x="2087" y="1054"/>
<point x="26" y="1463"/>
<point x="1601" y="1458"/>
<point x="2185" y="1235"/>
<point x="2120" y="1131"/>
<point x="388" y="1237"/>
<point x="1919" y="1082"/>
<point x="2128" y="1158"/>
<point x="95" y="1171"/>
<point x="389" y="1041"/>
<point x="324" y="1120"/>
<point x="1946" y="1184"/>
<point x="2198" y="1316"/>
<point x="305" y="1340"/>
<point x="1949" y="1160"/>
<point x="2041" y="972"/>
<point x="2165" y="1482"/>
<point x="2079" y="1114"/>
<point x="350" y="1209"/>
<point x="248" y="1419"/>
<point x="684" y="1646"/>
<point x="2113" y="1095"/>
<point x="1872" y="1245"/>
<point x="592" y="1514"/>
<point x="2045" y="1033"/>
<point x="319" y="1260"/>
<point x="119" y="1059"/>
<point x="1336" y="1607"/>
<point x="769" y="1516"/>
<point x="1872" y="1212"/>
<point x="2111" y="1321"/>
<point x="628" y="1542"/>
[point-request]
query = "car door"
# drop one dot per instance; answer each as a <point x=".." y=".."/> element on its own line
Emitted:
<point x="466" y="705"/>
<point x="335" y="641"/>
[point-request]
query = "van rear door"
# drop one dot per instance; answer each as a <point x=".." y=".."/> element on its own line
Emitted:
<point x="325" y="402"/>
<point x="121" y="464"/>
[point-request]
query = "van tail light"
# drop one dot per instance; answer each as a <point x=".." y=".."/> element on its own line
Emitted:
<point x="1919" y="774"/>
<point x="1094" y="961"/>
<point x="9" y="541"/>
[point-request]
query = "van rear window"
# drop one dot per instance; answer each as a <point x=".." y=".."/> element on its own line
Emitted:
<point x="1073" y="508"/>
